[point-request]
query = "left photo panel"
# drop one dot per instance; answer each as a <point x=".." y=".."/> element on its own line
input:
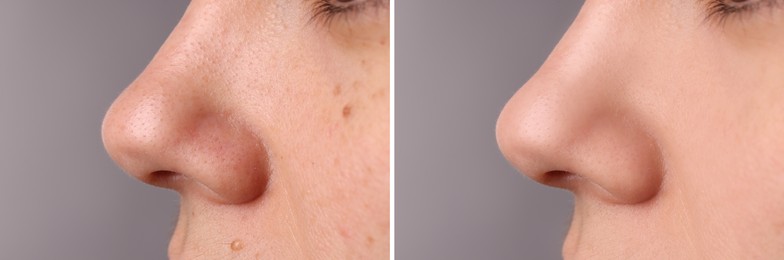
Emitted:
<point x="251" y="129"/>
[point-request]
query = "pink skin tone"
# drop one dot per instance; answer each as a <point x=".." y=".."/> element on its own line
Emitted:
<point x="667" y="126"/>
<point x="273" y="128"/>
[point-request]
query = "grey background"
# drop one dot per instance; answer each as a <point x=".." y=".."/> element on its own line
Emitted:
<point x="61" y="65"/>
<point x="457" y="62"/>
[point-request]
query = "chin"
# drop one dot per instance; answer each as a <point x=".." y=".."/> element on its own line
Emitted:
<point x="571" y="246"/>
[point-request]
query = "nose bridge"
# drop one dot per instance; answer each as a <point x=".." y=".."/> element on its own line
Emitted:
<point x="201" y="45"/>
<point x="599" y="45"/>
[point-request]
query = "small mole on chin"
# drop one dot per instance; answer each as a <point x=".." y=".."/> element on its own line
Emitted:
<point x="236" y="245"/>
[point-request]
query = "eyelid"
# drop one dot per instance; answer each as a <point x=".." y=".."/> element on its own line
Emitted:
<point x="345" y="3"/>
<point x="721" y="10"/>
<point x="325" y="11"/>
<point x="738" y="3"/>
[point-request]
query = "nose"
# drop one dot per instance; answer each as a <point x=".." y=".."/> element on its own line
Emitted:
<point x="173" y="128"/>
<point x="574" y="124"/>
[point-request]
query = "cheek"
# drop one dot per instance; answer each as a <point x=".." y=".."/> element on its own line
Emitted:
<point x="720" y="113"/>
<point x="329" y="142"/>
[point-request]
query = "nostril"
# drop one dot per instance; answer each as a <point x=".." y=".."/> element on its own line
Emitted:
<point x="163" y="174"/>
<point x="576" y="183"/>
<point x="560" y="179"/>
<point x="167" y="179"/>
<point x="181" y="183"/>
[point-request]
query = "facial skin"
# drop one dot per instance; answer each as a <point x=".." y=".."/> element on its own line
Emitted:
<point x="667" y="124"/>
<point x="272" y="125"/>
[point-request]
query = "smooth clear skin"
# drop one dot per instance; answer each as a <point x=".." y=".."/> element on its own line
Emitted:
<point x="273" y="128"/>
<point x="667" y="127"/>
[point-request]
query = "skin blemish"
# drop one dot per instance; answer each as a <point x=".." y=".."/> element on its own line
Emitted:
<point x="366" y="65"/>
<point x="383" y="41"/>
<point x="337" y="90"/>
<point x="345" y="233"/>
<point x="346" y="111"/>
<point x="381" y="93"/>
<point x="236" y="245"/>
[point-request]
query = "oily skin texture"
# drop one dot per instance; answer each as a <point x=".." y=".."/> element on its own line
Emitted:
<point x="273" y="128"/>
<point x="668" y="126"/>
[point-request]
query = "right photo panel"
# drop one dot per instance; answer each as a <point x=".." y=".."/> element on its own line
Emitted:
<point x="589" y="129"/>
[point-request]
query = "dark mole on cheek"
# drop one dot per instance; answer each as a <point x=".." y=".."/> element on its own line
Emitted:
<point x="346" y="111"/>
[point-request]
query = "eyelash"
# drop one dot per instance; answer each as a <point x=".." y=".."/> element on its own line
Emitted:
<point x="325" y="11"/>
<point x="722" y="10"/>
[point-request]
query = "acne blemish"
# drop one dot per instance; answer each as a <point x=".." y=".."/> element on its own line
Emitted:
<point x="236" y="245"/>
<point x="381" y="93"/>
<point x="344" y="232"/>
<point x="337" y="90"/>
<point x="346" y="111"/>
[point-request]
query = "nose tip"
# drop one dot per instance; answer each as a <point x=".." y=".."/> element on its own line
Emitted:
<point x="171" y="138"/>
<point x="131" y="130"/>
<point x="526" y="136"/>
